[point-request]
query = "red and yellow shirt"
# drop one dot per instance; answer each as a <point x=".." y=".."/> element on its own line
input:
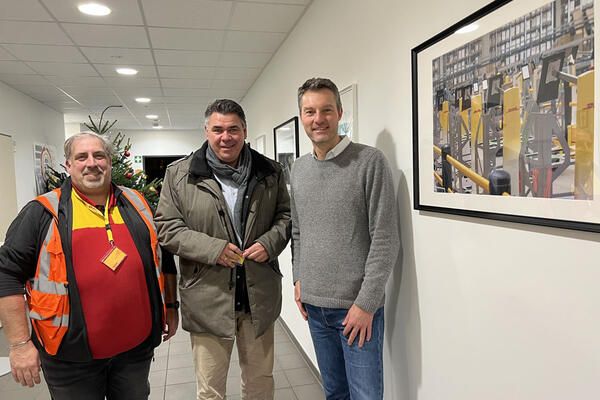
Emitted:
<point x="115" y="304"/>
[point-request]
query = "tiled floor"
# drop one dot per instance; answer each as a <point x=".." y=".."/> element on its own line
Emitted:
<point x="172" y="373"/>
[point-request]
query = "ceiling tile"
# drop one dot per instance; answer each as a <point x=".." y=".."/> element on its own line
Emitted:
<point x="97" y="100"/>
<point x="186" y="72"/>
<point x="38" y="90"/>
<point x="111" y="36"/>
<point x="186" y="39"/>
<point x="15" y="67"/>
<point x="138" y="92"/>
<point x="24" y="10"/>
<point x="239" y="59"/>
<point x="78" y="91"/>
<point x="301" y="2"/>
<point x="253" y="41"/>
<point x="237" y="73"/>
<point x="170" y="101"/>
<point x="20" y="79"/>
<point x="224" y="93"/>
<point x="123" y="12"/>
<point x="83" y="81"/>
<point x="62" y="69"/>
<point x="144" y="71"/>
<point x="186" y="92"/>
<point x="32" y="52"/>
<point x="112" y="55"/>
<point x="204" y="14"/>
<point x="32" y="33"/>
<point x="185" y="83"/>
<point x="265" y="17"/>
<point x="132" y="82"/>
<point x="5" y="56"/>
<point x="243" y="84"/>
<point x="186" y="58"/>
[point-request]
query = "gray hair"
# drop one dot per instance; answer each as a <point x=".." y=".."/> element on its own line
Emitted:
<point x="106" y="144"/>
<point x="315" y="84"/>
<point x="224" y="106"/>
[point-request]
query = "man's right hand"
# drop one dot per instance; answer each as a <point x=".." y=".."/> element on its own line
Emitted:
<point x="230" y="256"/>
<point x="299" y="301"/>
<point x="25" y="364"/>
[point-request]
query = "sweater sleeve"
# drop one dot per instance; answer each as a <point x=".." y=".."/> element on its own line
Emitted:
<point x="383" y="230"/>
<point x="18" y="255"/>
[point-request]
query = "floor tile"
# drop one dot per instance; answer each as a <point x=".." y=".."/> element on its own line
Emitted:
<point x="159" y="364"/>
<point x="157" y="378"/>
<point x="184" y="391"/>
<point x="312" y="392"/>
<point x="300" y="376"/>
<point x="181" y="375"/>
<point x="157" y="393"/>
<point x="291" y="361"/>
<point x="281" y="380"/>
<point x="286" y="394"/>
<point x="180" y="348"/>
<point x="180" y="360"/>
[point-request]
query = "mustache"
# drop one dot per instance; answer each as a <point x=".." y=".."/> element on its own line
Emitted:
<point x="93" y="170"/>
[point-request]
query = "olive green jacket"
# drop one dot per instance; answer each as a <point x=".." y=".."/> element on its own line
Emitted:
<point x="193" y="223"/>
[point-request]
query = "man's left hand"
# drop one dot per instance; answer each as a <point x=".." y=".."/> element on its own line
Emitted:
<point x="256" y="252"/>
<point x="359" y="323"/>
<point x="172" y="324"/>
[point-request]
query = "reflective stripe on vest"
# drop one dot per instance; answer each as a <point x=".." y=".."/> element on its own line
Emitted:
<point x="47" y="292"/>
<point x="137" y="200"/>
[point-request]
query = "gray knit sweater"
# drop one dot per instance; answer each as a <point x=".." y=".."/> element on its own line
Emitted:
<point x="344" y="228"/>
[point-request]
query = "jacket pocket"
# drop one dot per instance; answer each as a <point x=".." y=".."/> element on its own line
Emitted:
<point x="198" y="271"/>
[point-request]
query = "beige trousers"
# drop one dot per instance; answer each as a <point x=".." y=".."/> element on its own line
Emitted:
<point x="212" y="356"/>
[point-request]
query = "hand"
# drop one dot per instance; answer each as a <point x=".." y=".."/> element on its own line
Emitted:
<point x="359" y="323"/>
<point x="256" y="252"/>
<point x="172" y="324"/>
<point x="230" y="256"/>
<point x="25" y="364"/>
<point x="299" y="301"/>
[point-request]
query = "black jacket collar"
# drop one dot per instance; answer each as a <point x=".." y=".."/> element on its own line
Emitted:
<point x="261" y="166"/>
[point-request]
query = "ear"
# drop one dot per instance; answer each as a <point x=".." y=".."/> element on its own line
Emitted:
<point x="68" y="166"/>
<point x="340" y="113"/>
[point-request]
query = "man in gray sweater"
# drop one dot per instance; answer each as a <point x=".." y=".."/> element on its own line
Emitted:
<point x="345" y="243"/>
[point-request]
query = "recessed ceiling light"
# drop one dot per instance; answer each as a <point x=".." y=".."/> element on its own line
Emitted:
<point x="157" y="126"/>
<point x="127" y="71"/>
<point x="152" y="116"/>
<point x="95" y="9"/>
<point x="143" y="100"/>
<point x="468" y="28"/>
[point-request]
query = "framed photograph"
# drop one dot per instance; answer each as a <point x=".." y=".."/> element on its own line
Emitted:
<point x="503" y="127"/>
<point x="348" y="125"/>
<point x="260" y="144"/>
<point x="286" y="145"/>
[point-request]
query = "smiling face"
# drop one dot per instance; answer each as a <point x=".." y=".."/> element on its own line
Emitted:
<point x="226" y="134"/>
<point x="320" y="117"/>
<point x="90" y="166"/>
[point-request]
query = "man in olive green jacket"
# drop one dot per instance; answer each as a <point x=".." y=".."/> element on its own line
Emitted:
<point x="225" y="211"/>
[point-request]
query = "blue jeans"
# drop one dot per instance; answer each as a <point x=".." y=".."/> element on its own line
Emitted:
<point x="348" y="372"/>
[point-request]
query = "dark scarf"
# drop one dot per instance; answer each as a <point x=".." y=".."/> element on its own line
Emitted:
<point x="239" y="176"/>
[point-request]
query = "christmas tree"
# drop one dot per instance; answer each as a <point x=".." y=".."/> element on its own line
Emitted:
<point x="122" y="171"/>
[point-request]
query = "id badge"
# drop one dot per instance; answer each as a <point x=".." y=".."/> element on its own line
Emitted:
<point x="113" y="258"/>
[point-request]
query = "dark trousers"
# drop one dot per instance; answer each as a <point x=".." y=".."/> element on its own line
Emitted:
<point x="122" y="377"/>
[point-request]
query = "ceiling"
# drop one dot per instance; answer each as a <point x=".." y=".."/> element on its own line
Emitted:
<point x="187" y="52"/>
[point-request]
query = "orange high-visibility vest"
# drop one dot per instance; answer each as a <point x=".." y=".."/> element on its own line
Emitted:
<point x="47" y="292"/>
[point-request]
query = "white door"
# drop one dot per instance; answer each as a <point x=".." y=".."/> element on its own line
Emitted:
<point x="8" y="185"/>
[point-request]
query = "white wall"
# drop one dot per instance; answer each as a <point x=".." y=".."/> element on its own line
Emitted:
<point x="28" y="121"/>
<point x="163" y="142"/>
<point x="479" y="309"/>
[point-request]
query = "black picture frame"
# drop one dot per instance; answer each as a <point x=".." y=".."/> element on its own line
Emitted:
<point x="286" y="145"/>
<point x="430" y="190"/>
